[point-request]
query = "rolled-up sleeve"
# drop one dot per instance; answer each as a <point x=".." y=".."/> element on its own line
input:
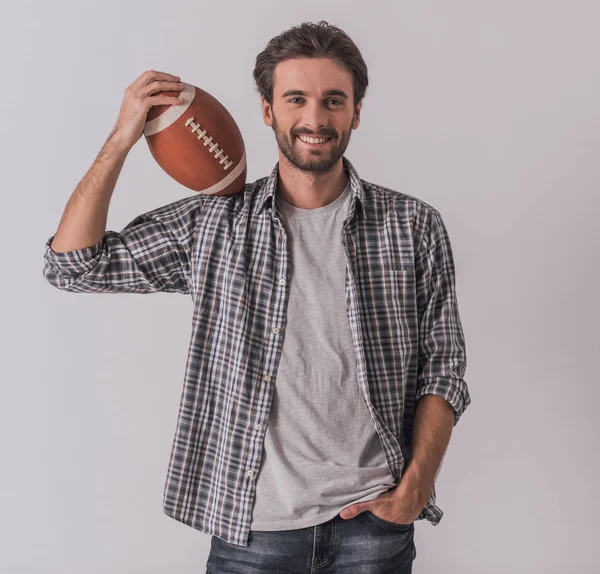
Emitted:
<point x="152" y="253"/>
<point x="442" y="350"/>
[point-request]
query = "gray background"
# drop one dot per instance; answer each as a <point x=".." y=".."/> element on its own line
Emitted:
<point x="486" y="110"/>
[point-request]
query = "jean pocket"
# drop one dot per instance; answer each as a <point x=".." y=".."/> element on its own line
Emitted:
<point x="387" y="523"/>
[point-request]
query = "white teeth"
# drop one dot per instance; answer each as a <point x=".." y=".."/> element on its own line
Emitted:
<point x="313" y="140"/>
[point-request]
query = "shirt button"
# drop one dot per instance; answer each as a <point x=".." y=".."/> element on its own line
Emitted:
<point x="276" y="330"/>
<point x="250" y="473"/>
<point x="268" y="378"/>
<point x="282" y="281"/>
<point x="258" y="426"/>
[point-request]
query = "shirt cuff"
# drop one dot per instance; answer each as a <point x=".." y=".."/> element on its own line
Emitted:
<point x="74" y="262"/>
<point x="455" y="391"/>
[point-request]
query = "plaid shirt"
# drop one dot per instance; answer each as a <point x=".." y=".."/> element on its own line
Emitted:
<point x="230" y="254"/>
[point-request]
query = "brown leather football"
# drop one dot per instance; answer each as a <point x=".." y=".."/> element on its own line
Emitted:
<point x="197" y="142"/>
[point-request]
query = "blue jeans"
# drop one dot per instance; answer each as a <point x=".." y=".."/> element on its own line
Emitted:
<point x="365" y="544"/>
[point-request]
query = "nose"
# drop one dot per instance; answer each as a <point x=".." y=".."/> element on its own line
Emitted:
<point x="315" y="117"/>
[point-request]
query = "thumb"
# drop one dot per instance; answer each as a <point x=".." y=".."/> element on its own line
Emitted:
<point x="354" y="509"/>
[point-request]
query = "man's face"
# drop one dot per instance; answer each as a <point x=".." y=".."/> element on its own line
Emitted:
<point x="312" y="113"/>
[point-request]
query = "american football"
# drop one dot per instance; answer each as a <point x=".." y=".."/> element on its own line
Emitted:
<point x="198" y="143"/>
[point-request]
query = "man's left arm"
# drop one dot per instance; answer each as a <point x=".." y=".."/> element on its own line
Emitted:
<point x="442" y="393"/>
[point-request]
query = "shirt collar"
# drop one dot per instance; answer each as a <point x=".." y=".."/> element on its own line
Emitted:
<point x="267" y="189"/>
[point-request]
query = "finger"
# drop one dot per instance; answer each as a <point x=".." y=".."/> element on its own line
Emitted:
<point x="161" y="86"/>
<point x="151" y="76"/>
<point x="353" y="510"/>
<point x="167" y="77"/>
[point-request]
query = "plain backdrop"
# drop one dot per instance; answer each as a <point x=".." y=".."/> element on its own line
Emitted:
<point x="489" y="111"/>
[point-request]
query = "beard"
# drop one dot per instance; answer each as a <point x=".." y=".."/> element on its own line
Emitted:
<point x="311" y="160"/>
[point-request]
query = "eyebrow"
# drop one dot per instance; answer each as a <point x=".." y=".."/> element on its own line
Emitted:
<point x="340" y="93"/>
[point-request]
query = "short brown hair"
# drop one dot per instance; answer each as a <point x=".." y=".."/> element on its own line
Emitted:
<point x="309" y="40"/>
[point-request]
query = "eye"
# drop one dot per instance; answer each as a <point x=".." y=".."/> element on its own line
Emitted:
<point x="333" y="100"/>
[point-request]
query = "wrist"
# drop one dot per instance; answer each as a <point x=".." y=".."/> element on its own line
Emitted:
<point x="415" y="479"/>
<point x="116" y="140"/>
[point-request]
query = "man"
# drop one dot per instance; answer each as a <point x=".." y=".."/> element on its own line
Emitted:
<point x="326" y="367"/>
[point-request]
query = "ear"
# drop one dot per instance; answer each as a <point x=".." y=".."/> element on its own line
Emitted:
<point x="357" y="116"/>
<point x="266" y="111"/>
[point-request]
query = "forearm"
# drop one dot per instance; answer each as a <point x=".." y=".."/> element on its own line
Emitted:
<point x="83" y="222"/>
<point x="434" y="420"/>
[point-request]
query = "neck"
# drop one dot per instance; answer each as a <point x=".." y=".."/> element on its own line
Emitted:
<point x="310" y="190"/>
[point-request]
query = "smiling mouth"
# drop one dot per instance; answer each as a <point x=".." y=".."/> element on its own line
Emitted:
<point x="314" y="144"/>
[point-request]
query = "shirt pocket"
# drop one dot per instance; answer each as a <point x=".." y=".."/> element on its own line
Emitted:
<point x="397" y="285"/>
